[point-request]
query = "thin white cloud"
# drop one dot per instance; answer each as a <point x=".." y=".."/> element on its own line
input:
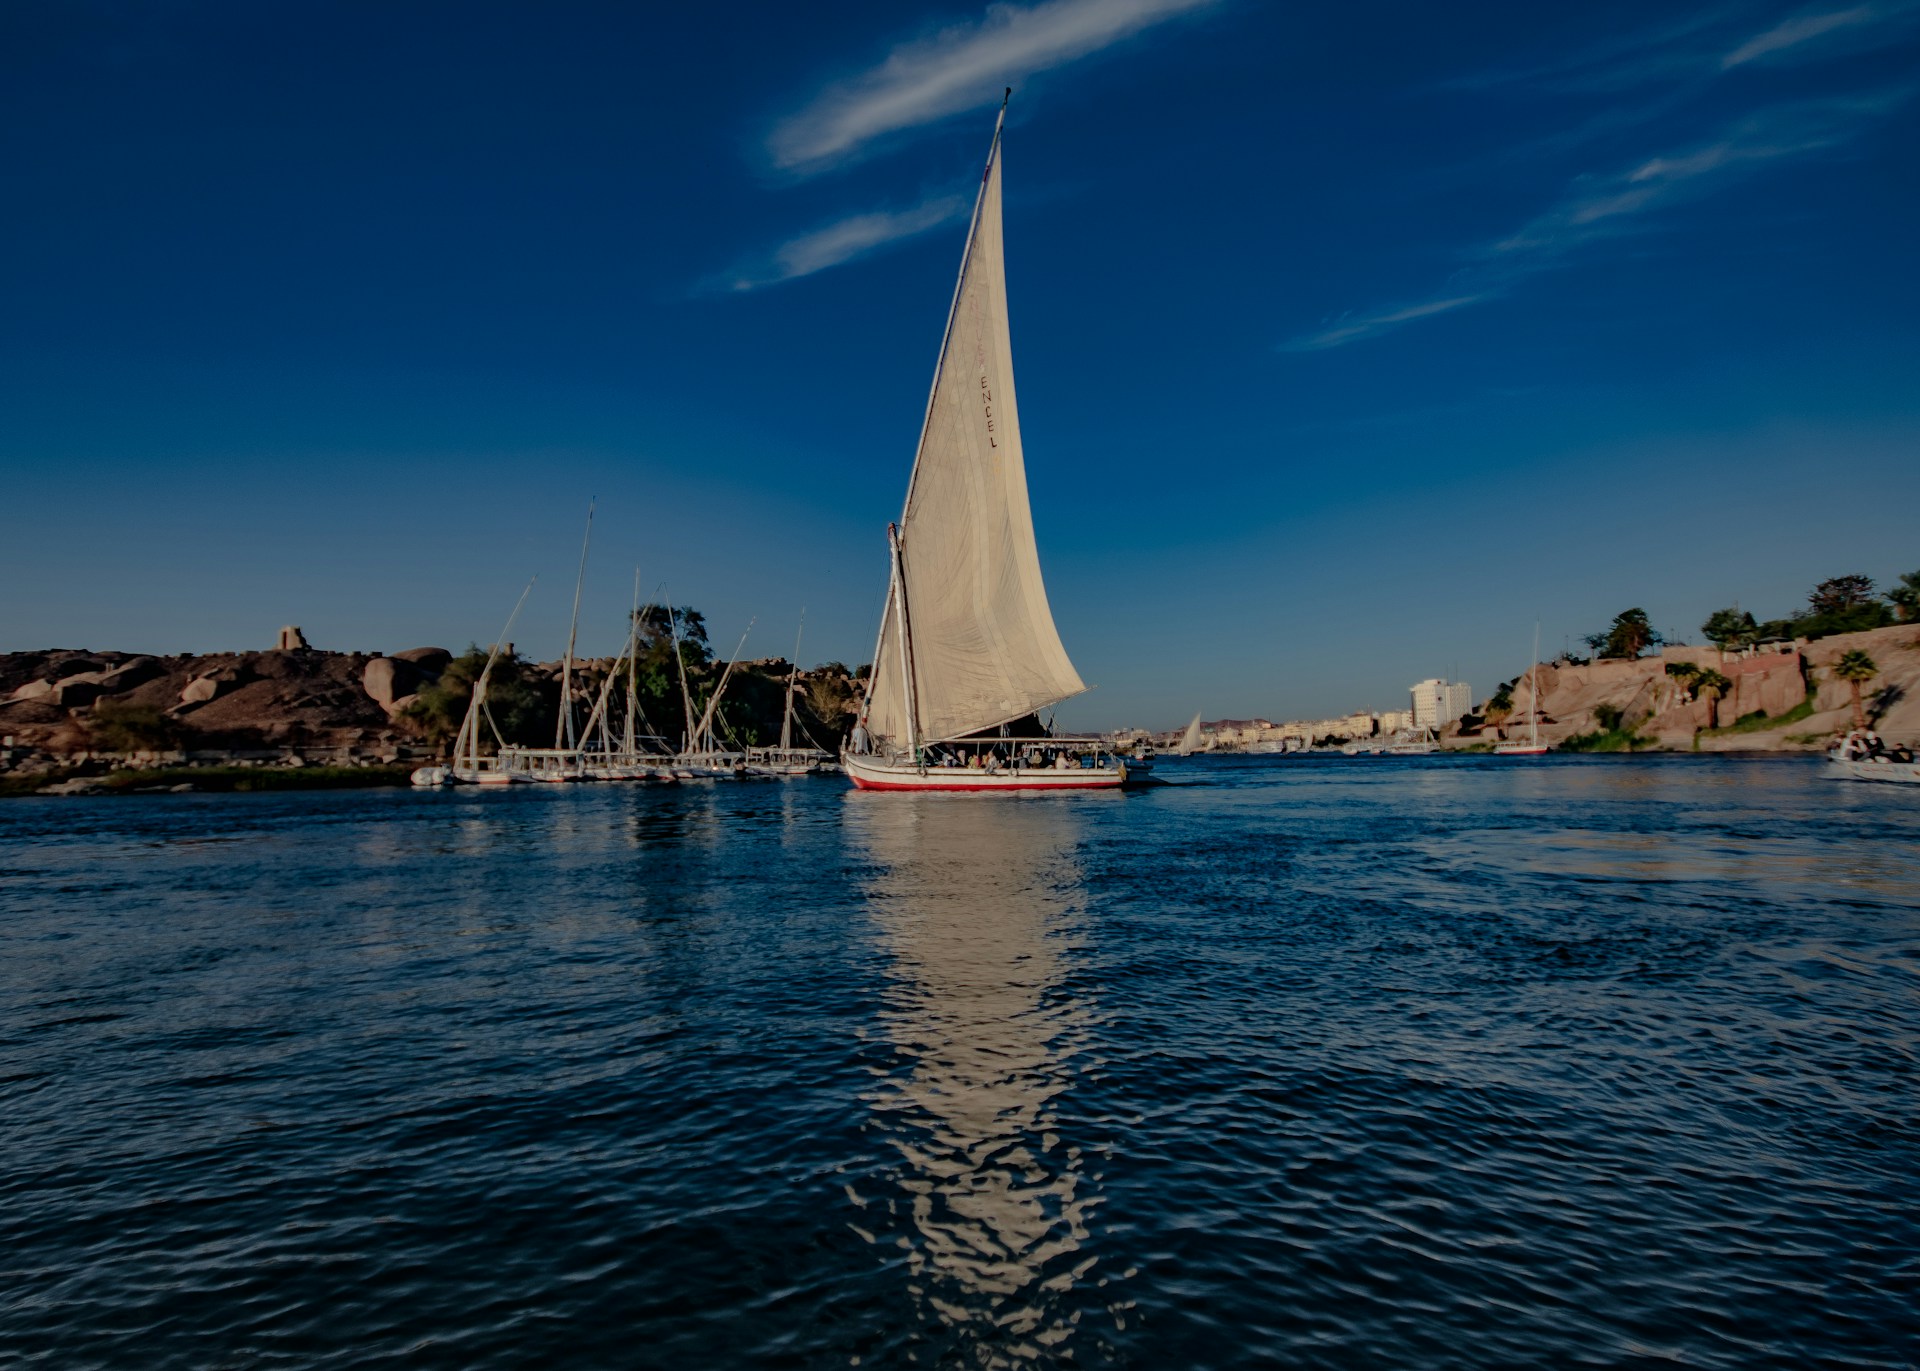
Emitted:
<point x="1694" y="49"/>
<point x="1353" y="330"/>
<point x="1804" y="28"/>
<point x="1596" y="208"/>
<point x="960" y="68"/>
<point x="840" y="242"/>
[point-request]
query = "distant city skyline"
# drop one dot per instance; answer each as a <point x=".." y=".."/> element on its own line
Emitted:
<point x="1350" y="342"/>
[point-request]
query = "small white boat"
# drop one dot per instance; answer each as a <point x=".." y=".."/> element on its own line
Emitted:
<point x="1860" y="756"/>
<point x="1874" y="769"/>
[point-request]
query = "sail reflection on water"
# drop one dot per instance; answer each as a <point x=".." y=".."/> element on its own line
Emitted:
<point x="977" y="907"/>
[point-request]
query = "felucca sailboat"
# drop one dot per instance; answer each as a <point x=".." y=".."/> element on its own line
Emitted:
<point x="967" y="643"/>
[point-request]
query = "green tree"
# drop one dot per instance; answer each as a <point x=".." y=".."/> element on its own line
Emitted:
<point x="1840" y="594"/>
<point x="1630" y="634"/>
<point x="118" y="727"/>
<point x="523" y="708"/>
<point x="1856" y="668"/>
<point x="1686" y="675"/>
<point x="1712" y="687"/>
<point x="1905" y="597"/>
<point x="1730" y="628"/>
<point x="1843" y="604"/>
<point x="1499" y="707"/>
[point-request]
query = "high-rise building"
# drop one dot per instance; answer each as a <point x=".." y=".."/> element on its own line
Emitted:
<point x="1437" y="703"/>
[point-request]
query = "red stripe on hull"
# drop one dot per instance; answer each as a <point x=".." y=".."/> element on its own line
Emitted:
<point x="1102" y="784"/>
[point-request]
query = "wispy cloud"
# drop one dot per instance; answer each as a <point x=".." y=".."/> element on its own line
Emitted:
<point x="838" y="242"/>
<point x="1697" y="47"/>
<point x="960" y="68"/>
<point x="1352" y="330"/>
<point x="1676" y="48"/>
<point x="1596" y="208"/>
<point x="1805" y="28"/>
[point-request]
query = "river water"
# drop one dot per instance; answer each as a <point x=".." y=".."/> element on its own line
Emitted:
<point x="1426" y="1063"/>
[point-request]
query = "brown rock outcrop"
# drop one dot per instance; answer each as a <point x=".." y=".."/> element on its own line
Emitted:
<point x="1775" y="683"/>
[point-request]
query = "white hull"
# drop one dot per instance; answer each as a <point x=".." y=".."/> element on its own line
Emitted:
<point x="878" y="773"/>
<point x="1867" y="770"/>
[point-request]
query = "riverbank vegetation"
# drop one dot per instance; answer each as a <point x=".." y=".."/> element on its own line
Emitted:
<point x="1840" y="604"/>
<point x="1613" y="735"/>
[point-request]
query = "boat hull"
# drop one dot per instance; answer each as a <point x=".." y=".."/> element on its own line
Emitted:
<point x="874" y="773"/>
<point x="1520" y="750"/>
<point x="1865" y="769"/>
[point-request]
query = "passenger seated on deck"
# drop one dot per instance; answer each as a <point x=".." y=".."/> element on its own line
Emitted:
<point x="1061" y="762"/>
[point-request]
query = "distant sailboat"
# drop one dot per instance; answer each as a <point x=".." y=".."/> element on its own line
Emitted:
<point x="786" y="759"/>
<point x="467" y="766"/>
<point x="703" y="756"/>
<point x="967" y="642"/>
<point x="1190" y="740"/>
<point x="1533" y="747"/>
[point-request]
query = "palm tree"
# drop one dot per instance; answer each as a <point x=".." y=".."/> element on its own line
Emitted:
<point x="1686" y="675"/>
<point x="1906" y="597"/>
<point x="1855" y="667"/>
<point x="1710" y="685"/>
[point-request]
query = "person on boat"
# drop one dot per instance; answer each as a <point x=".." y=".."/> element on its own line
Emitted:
<point x="1061" y="762"/>
<point x="862" y="740"/>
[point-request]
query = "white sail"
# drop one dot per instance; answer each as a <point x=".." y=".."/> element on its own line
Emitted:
<point x="980" y="646"/>
<point x="1190" y="744"/>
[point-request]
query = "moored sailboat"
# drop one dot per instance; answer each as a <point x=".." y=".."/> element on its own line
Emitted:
<point x="967" y="644"/>
<point x="1533" y="747"/>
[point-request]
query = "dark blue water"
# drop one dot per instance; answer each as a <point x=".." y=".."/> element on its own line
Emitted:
<point x="1436" y="1063"/>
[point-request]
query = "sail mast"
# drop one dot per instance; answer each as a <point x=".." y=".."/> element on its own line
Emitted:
<point x="706" y="718"/>
<point x="564" y="724"/>
<point x="793" y="679"/>
<point x="909" y="688"/>
<point x="686" y="696"/>
<point x="633" y="664"/>
<point x="1534" y="690"/>
<point x="477" y="701"/>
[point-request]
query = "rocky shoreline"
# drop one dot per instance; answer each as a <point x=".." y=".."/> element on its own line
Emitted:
<point x="78" y="721"/>
<point x="1782" y="698"/>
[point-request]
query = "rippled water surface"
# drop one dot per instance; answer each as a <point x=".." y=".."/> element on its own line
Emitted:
<point x="1397" y="1063"/>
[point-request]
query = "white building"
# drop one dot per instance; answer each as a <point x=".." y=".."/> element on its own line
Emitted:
<point x="1437" y="703"/>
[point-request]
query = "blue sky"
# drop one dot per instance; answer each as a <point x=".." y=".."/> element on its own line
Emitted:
<point x="1351" y="339"/>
